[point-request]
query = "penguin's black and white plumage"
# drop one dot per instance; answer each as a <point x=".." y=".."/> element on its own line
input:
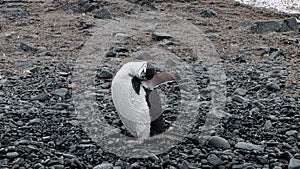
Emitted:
<point x="136" y="100"/>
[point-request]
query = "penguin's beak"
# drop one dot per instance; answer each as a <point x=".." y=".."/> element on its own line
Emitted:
<point x="158" y="79"/>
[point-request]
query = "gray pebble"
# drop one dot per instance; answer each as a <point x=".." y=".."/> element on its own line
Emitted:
<point x="103" y="14"/>
<point x="219" y="142"/>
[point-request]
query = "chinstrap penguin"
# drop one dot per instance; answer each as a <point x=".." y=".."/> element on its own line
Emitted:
<point x="137" y="102"/>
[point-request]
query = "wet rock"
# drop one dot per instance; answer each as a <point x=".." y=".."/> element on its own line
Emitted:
<point x="214" y="160"/>
<point x="158" y="36"/>
<point x="218" y="142"/>
<point x="273" y="86"/>
<point x="284" y="25"/>
<point x="249" y="146"/>
<point x="62" y="92"/>
<point x="28" y="47"/>
<point x="103" y="14"/>
<point x="294" y="164"/>
<point x="104" y="166"/>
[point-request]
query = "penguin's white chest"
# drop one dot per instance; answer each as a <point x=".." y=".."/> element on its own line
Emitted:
<point x="132" y="107"/>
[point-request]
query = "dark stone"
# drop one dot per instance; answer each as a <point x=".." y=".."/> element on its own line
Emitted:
<point x="262" y="160"/>
<point x="208" y="13"/>
<point x="103" y="14"/>
<point x="284" y="25"/>
<point x="242" y="58"/>
<point x="272" y="86"/>
<point x="28" y="47"/>
<point x="218" y="142"/>
<point x="105" y="74"/>
<point x="214" y="160"/>
<point x="110" y="54"/>
<point x="276" y="54"/>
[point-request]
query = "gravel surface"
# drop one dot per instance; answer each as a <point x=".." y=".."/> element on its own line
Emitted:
<point x="41" y="42"/>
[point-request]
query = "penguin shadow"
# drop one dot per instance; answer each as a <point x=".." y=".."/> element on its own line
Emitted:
<point x="169" y="94"/>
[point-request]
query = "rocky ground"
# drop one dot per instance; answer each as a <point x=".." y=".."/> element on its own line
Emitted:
<point x="41" y="41"/>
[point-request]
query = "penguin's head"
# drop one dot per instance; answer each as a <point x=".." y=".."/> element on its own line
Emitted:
<point x="141" y="70"/>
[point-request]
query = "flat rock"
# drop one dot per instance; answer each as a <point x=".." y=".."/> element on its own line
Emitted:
<point x="294" y="163"/>
<point x="218" y="142"/>
<point x="61" y="92"/>
<point x="160" y="36"/>
<point x="249" y="146"/>
<point x="283" y="25"/>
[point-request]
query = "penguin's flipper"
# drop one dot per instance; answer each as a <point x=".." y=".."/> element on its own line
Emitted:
<point x="155" y="111"/>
